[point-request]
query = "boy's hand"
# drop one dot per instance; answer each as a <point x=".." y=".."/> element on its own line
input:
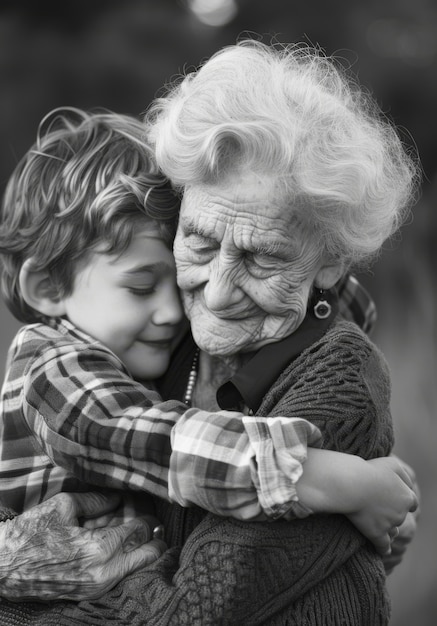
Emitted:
<point x="375" y="495"/>
<point x="45" y="555"/>
<point x="407" y="530"/>
<point x="385" y="515"/>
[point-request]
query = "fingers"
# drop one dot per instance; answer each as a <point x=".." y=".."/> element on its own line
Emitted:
<point x="395" y="542"/>
<point x="414" y="504"/>
<point x="142" y="556"/>
<point x="394" y="557"/>
<point x="407" y="474"/>
<point x="407" y="469"/>
<point x="133" y="534"/>
<point x="382" y="544"/>
<point x="402" y="473"/>
<point x="393" y="533"/>
<point x="102" y="521"/>
<point x="407" y="530"/>
<point x="136" y="547"/>
<point x="93" y="504"/>
<point x="401" y="468"/>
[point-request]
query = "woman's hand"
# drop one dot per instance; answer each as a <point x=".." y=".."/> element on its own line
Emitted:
<point x="45" y="555"/>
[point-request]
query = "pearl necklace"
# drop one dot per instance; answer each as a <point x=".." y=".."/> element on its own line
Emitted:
<point x="192" y="377"/>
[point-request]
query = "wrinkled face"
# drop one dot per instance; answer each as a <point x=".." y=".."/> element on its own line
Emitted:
<point x="243" y="264"/>
<point x="130" y="303"/>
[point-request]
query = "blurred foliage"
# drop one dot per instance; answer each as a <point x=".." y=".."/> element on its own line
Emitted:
<point x="119" y="53"/>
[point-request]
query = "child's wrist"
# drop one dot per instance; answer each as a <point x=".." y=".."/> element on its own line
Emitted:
<point x="334" y="482"/>
<point x="358" y="484"/>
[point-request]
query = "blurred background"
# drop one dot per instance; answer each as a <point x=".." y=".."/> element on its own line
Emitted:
<point x="119" y="53"/>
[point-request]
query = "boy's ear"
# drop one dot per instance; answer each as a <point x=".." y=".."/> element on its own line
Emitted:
<point x="38" y="291"/>
<point x="328" y="275"/>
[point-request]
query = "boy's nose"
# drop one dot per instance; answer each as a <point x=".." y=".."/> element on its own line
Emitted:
<point x="169" y="310"/>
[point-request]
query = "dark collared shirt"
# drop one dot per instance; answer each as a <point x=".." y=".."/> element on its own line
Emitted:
<point x="250" y="384"/>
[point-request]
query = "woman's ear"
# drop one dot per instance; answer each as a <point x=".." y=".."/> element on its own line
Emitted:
<point x="38" y="291"/>
<point x="328" y="275"/>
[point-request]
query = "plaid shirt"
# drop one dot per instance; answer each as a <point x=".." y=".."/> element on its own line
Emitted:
<point x="355" y="303"/>
<point x="71" y="418"/>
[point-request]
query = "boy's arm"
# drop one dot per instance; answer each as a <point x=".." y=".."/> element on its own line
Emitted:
<point x="93" y="420"/>
<point x="375" y="495"/>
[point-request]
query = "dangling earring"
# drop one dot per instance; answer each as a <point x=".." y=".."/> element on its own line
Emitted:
<point x="322" y="309"/>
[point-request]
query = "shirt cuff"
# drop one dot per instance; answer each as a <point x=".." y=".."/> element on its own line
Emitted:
<point x="280" y="447"/>
<point x="244" y="467"/>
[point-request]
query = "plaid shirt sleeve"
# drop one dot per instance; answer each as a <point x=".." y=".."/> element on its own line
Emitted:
<point x="211" y="459"/>
<point x="108" y="430"/>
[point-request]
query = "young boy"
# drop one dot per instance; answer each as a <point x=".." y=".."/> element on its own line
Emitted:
<point x="86" y="235"/>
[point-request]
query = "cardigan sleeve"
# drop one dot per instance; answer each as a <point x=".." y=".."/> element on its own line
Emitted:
<point x="342" y="385"/>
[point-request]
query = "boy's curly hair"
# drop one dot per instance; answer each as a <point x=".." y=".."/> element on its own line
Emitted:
<point x="90" y="179"/>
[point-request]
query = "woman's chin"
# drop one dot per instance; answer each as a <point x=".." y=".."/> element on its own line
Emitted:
<point x="216" y="343"/>
<point x="224" y="337"/>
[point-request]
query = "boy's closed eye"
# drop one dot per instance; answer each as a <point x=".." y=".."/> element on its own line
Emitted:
<point x="142" y="291"/>
<point x="143" y="281"/>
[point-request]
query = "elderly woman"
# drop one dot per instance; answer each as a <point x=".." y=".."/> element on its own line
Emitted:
<point x="290" y="177"/>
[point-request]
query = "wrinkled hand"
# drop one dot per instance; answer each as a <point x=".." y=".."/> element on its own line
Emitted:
<point x="386" y="511"/>
<point x="45" y="555"/>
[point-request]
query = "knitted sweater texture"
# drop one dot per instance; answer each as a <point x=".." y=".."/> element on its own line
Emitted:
<point x="317" y="571"/>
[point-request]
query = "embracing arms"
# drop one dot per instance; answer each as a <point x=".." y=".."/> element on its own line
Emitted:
<point x="45" y="554"/>
<point x="90" y="423"/>
<point x="327" y="485"/>
<point x="122" y="441"/>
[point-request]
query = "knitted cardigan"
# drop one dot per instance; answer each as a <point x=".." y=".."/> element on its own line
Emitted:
<point x="317" y="571"/>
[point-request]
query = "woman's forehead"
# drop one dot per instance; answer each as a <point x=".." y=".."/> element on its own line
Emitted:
<point x="244" y="199"/>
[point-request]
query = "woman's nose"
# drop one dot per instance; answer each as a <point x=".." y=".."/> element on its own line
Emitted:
<point x="220" y="291"/>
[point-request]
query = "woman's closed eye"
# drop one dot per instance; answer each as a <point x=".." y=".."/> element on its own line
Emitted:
<point x="260" y="265"/>
<point x="201" y="248"/>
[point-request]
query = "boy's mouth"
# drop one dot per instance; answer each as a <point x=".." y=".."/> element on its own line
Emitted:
<point x="166" y="341"/>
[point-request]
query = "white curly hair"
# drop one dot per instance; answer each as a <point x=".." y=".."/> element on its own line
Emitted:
<point x="291" y="112"/>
